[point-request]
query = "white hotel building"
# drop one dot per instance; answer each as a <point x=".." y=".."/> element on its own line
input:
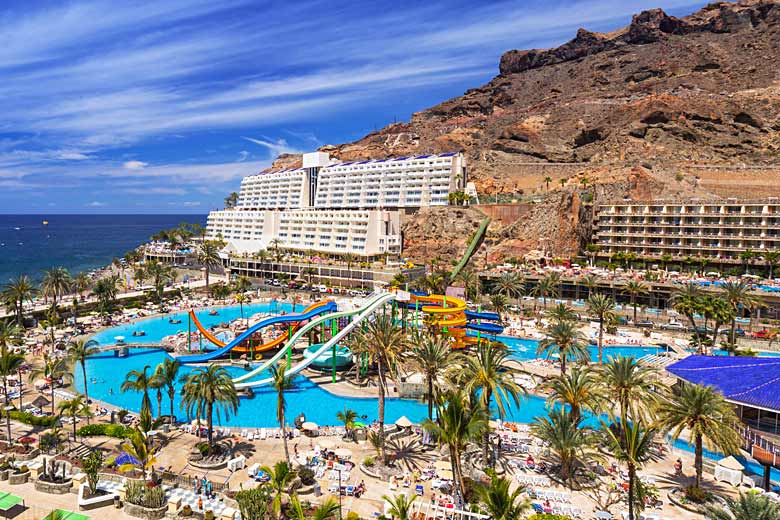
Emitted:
<point x="336" y="208"/>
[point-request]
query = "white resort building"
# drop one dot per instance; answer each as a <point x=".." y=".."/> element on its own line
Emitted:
<point x="335" y="208"/>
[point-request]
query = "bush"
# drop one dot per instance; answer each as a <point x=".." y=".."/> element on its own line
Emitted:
<point x="203" y="448"/>
<point x="141" y="495"/>
<point x="253" y="503"/>
<point x="696" y="494"/>
<point x="307" y="476"/>
<point x="208" y="515"/>
<point x="185" y="511"/>
<point x="368" y="461"/>
<point x="23" y="469"/>
<point x="116" y="431"/>
<point x="91" y="465"/>
<point x="353" y="516"/>
<point x="44" y="421"/>
<point x="547" y="516"/>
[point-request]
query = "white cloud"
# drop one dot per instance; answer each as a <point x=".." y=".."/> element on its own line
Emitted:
<point x="277" y="147"/>
<point x="134" y="165"/>
<point x="191" y="203"/>
<point x="96" y="204"/>
<point x="73" y="156"/>
<point x="243" y="155"/>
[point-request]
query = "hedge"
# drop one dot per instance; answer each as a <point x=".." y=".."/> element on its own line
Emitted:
<point x="45" y="421"/>
<point x="109" y="430"/>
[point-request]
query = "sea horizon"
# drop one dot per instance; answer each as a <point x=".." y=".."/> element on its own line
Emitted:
<point x="77" y="241"/>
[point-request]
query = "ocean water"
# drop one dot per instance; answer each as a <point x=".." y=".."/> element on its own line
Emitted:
<point x="77" y="242"/>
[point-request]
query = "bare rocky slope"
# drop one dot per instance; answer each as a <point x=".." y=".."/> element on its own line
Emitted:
<point x="665" y="107"/>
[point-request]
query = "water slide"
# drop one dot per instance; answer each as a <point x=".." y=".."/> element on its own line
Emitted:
<point x="244" y="349"/>
<point x="365" y="312"/>
<point x="448" y="311"/>
<point x="303" y="330"/>
<point x="472" y="247"/>
<point x="288" y="318"/>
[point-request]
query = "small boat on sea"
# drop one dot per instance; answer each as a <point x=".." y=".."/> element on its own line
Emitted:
<point x="174" y="321"/>
<point x="45" y="222"/>
<point x="213" y="312"/>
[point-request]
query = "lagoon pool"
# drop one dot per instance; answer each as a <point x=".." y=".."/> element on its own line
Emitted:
<point x="107" y="372"/>
<point x="158" y="327"/>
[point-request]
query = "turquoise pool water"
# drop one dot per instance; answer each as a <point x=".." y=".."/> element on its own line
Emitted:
<point x="107" y="372"/>
<point x="158" y="327"/>
<point x="525" y="349"/>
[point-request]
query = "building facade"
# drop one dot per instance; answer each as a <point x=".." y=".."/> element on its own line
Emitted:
<point x="336" y="208"/>
<point x="719" y="231"/>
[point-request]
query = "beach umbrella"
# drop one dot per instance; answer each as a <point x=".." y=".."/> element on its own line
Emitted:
<point x="343" y="453"/>
<point x="125" y="458"/>
<point x="403" y="422"/>
<point x="41" y="401"/>
<point x="309" y="426"/>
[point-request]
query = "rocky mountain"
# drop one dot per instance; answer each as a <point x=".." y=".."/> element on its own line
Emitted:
<point x="663" y="107"/>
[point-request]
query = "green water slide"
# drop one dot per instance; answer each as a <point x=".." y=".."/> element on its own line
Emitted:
<point x="302" y="331"/>
<point x="472" y="248"/>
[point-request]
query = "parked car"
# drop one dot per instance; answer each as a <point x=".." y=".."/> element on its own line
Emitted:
<point x="645" y="324"/>
<point x="674" y="325"/>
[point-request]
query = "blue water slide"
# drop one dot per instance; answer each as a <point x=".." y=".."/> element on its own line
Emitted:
<point x="490" y="316"/>
<point x="487" y="328"/>
<point x="287" y="318"/>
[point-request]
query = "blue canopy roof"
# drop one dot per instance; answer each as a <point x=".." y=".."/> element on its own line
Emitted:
<point x="749" y="380"/>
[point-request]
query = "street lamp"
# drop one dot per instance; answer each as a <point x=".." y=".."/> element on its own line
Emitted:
<point x="339" y="470"/>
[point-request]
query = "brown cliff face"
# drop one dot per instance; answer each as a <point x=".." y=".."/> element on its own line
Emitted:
<point x="632" y="111"/>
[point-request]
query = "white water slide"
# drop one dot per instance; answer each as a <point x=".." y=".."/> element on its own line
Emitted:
<point x="372" y="306"/>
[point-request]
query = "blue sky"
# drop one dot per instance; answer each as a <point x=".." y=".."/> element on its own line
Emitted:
<point x="162" y="106"/>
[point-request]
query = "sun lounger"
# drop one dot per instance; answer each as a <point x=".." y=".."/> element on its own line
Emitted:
<point x="419" y="490"/>
<point x="350" y="490"/>
<point x="8" y="501"/>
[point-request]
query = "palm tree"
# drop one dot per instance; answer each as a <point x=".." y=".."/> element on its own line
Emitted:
<point x="499" y="501"/>
<point x="739" y="296"/>
<point x="81" y="284"/>
<point x="572" y="444"/>
<point x="560" y="313"/>
<point x="631" y="386"/>
<point x="547" y="181"/>
<point x="590" y="282"/>
<point x="275" y="243"/>
<point x="78" y="352"/>
<point x="471" y="283"/>
<point x="747" y="257"/>
<point x="771" y="258"/>
<point x="53" y="370"/>
<point x="139" y="381"/>
<point x="347" y="417"/>
<point x="749" y="506"/>
<point x="55" y="284"/>
<point x="105" y="289"/>
<point x="160" y="274"/>
<point x="74" y="408"/>
<point x="565" y="339"/>
<point x="242" y="284"/>
<point x="10" y="364"/>
<point x="488" y="373"/>
<point x="634" y="447"/>
<point x="383" y="341"/>
<point x="633" y="289"/>
<point x="400" y="506"/>
<point x="139" y="275"/>
<point x="281" y="382"/>
<point x="600" y="306"/>
<point x="500" y="303"/>
<point x="208" y="256"/>
<point x="510" y="285"/>
<point x="325" y="511"/>
<point x="241" y="299"/>
<point x="138" y="447"/>
<point x="430" y="355"/>
<point x="687" y="301"/>
<point x="206" y="391"/>
<point x="459" y="422"/>
<point x="579" y="390"/>
<point x="547" y="287"/>
<point x="16" y="292"/>
<point x="281" y="477"/>
<point x="165" y="375"/>
<point x="706" y="415"/>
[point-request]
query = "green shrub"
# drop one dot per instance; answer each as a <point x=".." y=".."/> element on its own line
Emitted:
<point x="185" y="511"/>
<point x="547" y="516"/>
<point x="307" y="476"/>
<point x="253" y="503"/>
<point x="23" y="469"/>
<point x="44" y="421"/>
<point x="208" y="515"/>
<point x="203" y="448"/>
<point x="368" y="461"/>
<point x="91" y="465"/>
<point x="696" y="494"/>
<point x="144" y="496"/>
<point x="353" y="516"/>
<point x="109" y="430"/>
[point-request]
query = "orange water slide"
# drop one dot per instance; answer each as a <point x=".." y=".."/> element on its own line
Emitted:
<point x="241" y="349"/>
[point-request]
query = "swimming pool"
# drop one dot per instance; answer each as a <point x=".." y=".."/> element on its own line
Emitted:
<point x="525" y="349"/>
<point x="158" y="327"/>
<point x="107" y="372"/>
